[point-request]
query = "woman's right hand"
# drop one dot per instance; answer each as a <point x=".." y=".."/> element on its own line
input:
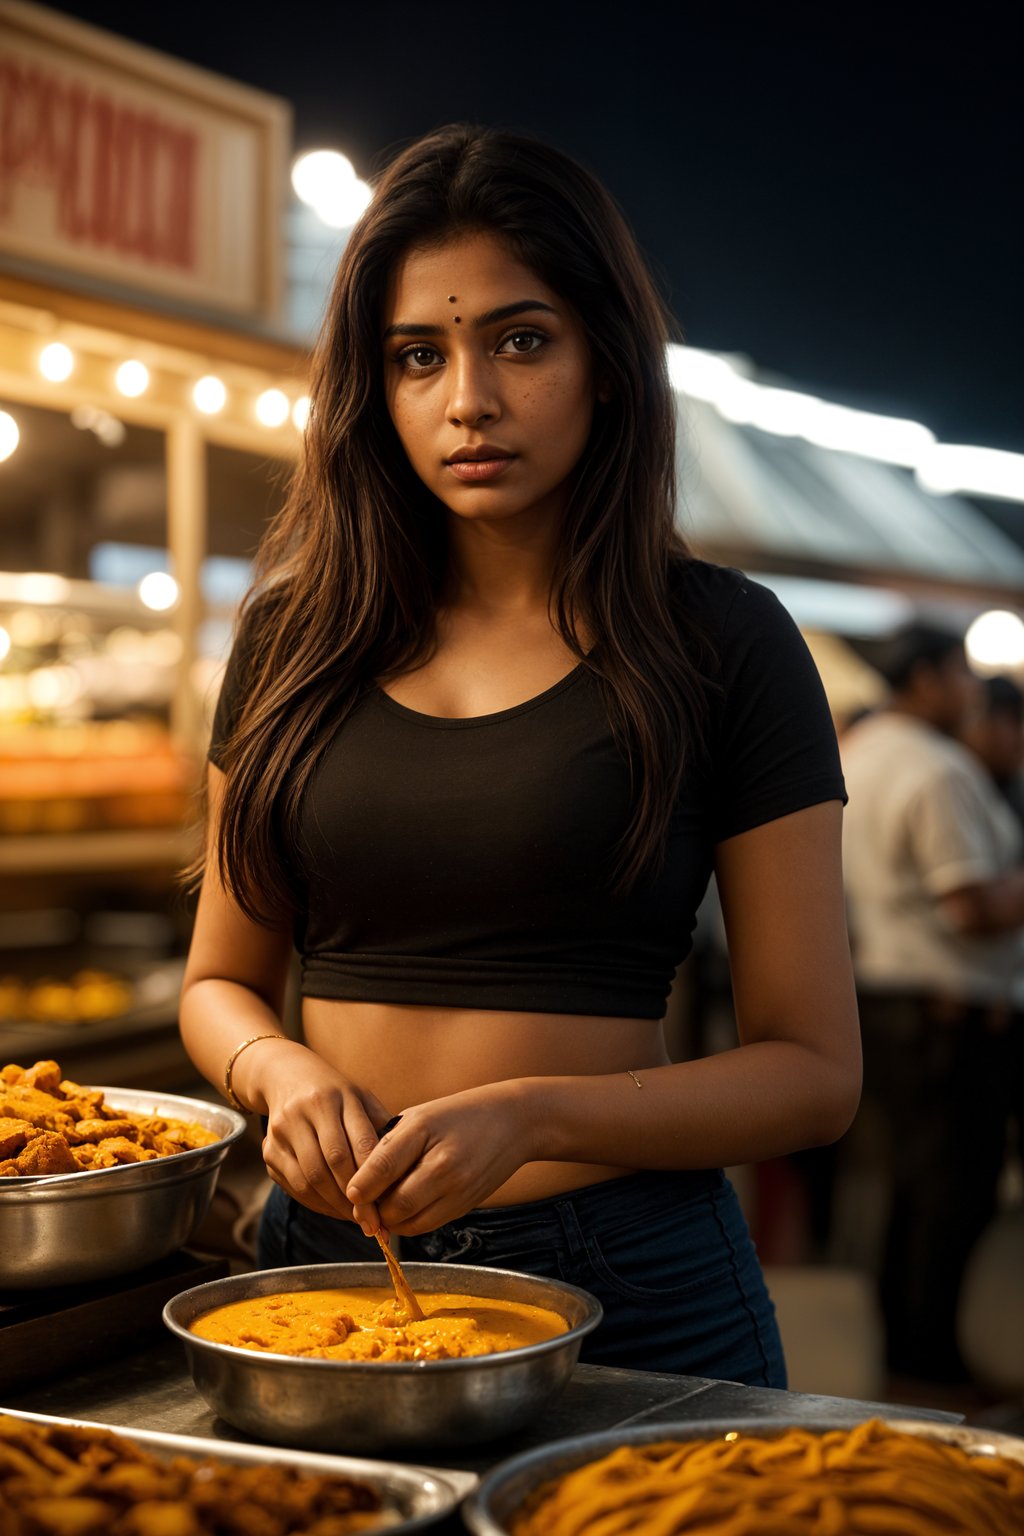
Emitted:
<point x="321" y="1127"/>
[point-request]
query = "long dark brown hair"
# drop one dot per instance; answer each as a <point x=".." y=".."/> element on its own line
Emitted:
<point x="349" y="574"/>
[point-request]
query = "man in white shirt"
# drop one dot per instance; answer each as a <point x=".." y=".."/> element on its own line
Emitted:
<point x="932" y="861"/>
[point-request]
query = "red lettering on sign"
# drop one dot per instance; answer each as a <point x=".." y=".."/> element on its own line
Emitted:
<point x="145" y="241"/>
<point x="182" y="200"/>
<point x="72" y="217"/>
<point x="123" y="179"/>
<point x="102" y="192"/>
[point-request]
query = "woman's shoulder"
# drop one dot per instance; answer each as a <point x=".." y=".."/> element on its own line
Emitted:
<point x="253" y="632"/>
<point x="723" y="601"/>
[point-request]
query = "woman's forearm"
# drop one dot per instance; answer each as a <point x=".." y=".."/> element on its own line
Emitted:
<point x="760" y="1100"/>
<point x="215" y="1017"/>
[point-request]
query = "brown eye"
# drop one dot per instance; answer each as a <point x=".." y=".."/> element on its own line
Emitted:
<point x="523" y="342"/>
<point x="417" y="358"/>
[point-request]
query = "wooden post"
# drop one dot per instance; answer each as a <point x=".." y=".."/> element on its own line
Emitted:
<point x="186" y="542"/>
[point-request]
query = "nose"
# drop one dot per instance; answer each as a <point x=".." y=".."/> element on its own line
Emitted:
<point x="472" y="392"/>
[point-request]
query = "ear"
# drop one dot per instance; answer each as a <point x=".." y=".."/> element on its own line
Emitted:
<point x="604" y="389"/>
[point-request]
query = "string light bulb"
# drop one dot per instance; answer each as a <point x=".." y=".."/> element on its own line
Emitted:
<point x="9" y="435"/>
<point x="56" y="362"/>
<point x="133" y="378"/>
<point x="300" y="412"/>
<point x="158" y="590"/>
<point x="272" y="407"/>
<point x="209" y="395"/>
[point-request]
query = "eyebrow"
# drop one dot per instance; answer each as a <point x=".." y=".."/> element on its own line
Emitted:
<point x="492" y="316"/>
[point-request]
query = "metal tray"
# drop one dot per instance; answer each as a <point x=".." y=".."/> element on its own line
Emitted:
<point x="418" y="1495"/>
<point x="491" y="1508"/>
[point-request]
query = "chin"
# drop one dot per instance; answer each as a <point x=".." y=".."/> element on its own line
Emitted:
<point x="485" y="504"/>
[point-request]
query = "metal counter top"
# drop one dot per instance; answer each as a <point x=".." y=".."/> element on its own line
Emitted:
<point x="151" y="1389"/>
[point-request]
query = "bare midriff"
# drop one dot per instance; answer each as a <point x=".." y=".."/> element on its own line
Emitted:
<point x="410" y="1055"/>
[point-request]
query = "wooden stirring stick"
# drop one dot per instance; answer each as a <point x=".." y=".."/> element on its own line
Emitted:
<point x="403" y="1290"/>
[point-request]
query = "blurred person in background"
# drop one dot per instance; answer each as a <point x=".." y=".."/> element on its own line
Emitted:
<point x="995" y="732"/>
<point x="935" y="887"/>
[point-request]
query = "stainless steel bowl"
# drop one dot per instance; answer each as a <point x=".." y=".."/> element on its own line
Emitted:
<point x="69" y="1228"/>
<point x="357" y="1405"/>
<point x="491" y="1508"/>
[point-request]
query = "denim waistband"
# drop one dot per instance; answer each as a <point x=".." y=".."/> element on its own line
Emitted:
<point x="593" y="1208"/>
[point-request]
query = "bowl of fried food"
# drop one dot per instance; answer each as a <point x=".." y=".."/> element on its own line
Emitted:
<point x="745" y="1476"/>
<point x="97" y="1182"/>
<point x="324" y="1356"/>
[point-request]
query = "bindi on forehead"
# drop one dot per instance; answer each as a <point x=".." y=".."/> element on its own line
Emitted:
<point x="453" y="300"/>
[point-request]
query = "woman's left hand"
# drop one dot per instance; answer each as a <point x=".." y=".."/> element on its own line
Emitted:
<point x="443" y="1158"/>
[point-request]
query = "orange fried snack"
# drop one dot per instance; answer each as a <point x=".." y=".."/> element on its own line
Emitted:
<point x="73" y="1480"/>
<point x="45" y="1076"/>
<point x="49" y="1124"/>
<point x="41" y="1109"/>
<point x="114" y="1150"/>
<point x="14" y="1133"/>
<point x="99" y="1129"/>
<point x="48" y="1152"/>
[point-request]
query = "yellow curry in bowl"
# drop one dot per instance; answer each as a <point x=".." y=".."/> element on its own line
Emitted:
<point x="369" y="1324"/>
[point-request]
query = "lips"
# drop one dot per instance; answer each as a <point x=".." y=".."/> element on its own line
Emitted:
<point x="480" y="463"/>
<point x="481" y="453"/>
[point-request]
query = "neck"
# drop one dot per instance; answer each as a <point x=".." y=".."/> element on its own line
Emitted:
<point x="501" y="567"/>
<point x="917" y="709"/>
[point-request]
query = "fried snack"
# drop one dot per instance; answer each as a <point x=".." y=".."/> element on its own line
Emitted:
<point x="869" y="1480"/>
<point x="14" y="1133"/>
<point x="49" y="1124"/>
<point x="113" y="1150"/>
<point x="73" y="1480"/>
<point x="45" y="1076"/>
<point x="40" y="1109"/>
<point x="47" y="1152"/>
<point x="80" y="1103"/>
<point x="98" y="1129"/>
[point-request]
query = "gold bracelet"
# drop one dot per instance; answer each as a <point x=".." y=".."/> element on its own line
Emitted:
<point x="229" y="1092"/>
<point x="634" y="1077"/>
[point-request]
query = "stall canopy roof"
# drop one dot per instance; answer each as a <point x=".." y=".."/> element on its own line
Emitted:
<point x="754" y="495"/>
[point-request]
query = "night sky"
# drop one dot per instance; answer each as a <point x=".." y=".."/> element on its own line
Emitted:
<point x="834" y="190"/>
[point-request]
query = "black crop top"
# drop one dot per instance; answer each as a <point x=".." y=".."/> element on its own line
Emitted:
<point x="465" y="863"/>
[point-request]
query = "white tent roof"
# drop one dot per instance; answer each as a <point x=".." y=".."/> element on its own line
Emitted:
<point x="752" y="494"/>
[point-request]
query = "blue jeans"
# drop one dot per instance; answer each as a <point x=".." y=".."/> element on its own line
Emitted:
<point x="668" y="1256"/>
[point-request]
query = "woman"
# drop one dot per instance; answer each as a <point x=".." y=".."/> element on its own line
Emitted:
<point x="486" y="730"/>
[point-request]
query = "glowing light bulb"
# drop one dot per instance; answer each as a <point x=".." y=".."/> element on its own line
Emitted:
<point x="56" y="362"/>
<point x="9" y="435"/>
<point x="133" y="378"/>
<point x="272" y="407"/>
<point x="300" y="412"/>
<point x="995" y="641"/>
<point x="158" y="591"/>
<point x="209" y="395"/>
<point x="326" y="181"/>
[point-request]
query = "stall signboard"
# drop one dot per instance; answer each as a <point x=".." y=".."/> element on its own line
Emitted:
<point x="120" y="164"/>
